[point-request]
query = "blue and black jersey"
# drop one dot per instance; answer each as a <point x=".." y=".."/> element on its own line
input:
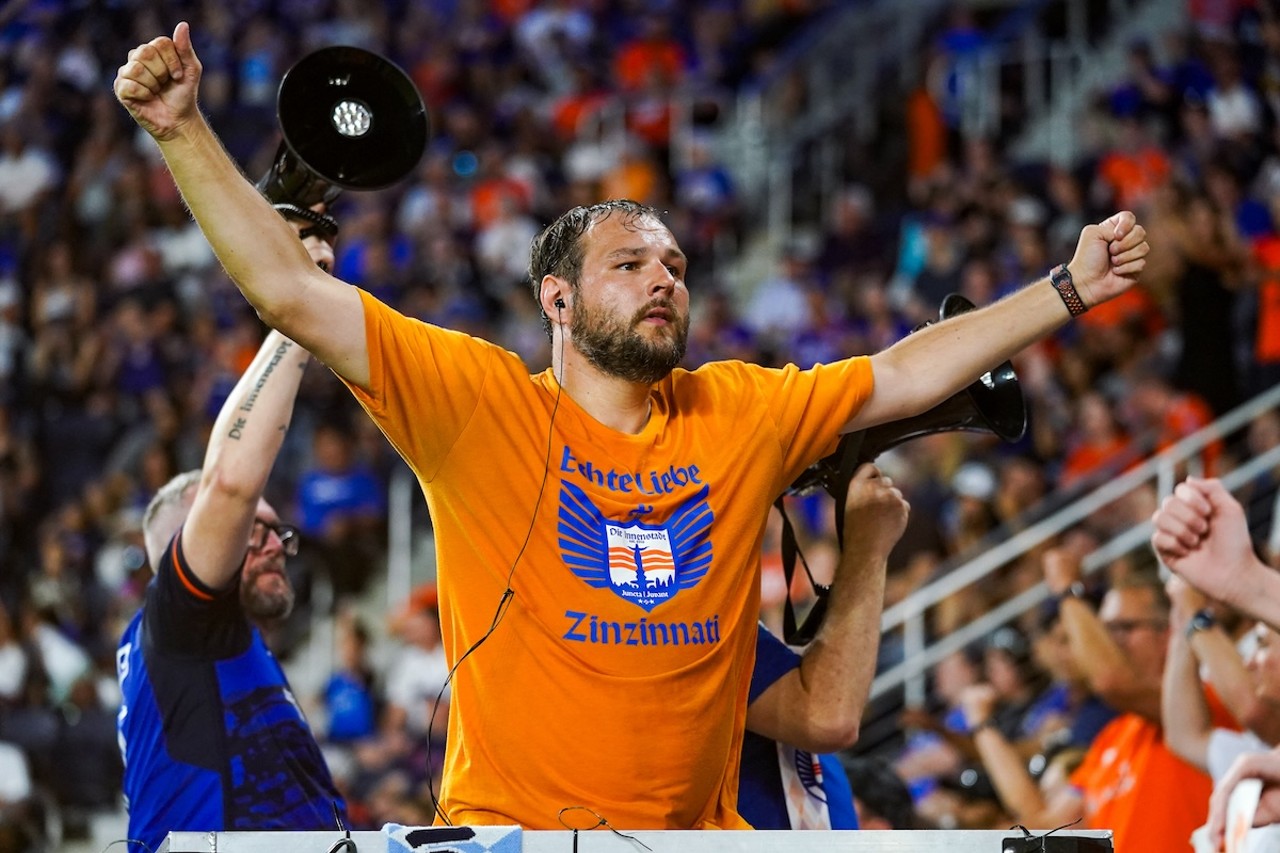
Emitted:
<point x="762" y="796"/>
<point x="211" y="736"/>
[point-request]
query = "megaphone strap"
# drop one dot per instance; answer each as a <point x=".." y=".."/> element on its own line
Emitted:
<point x="792" y="633"/>
<point x="322" y="224"/>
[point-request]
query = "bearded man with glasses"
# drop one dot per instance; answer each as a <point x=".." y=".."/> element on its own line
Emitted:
<point x="211" y="735"/>
<point x="1129" y="781"/>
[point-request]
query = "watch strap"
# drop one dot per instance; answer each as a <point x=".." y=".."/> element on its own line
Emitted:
<point x="1060" y="278"/>
<point x="322" y="225"/>
<point x="988" y="723"/>
<point x="1202" y="620"/>
<point x="1075" y="590"/>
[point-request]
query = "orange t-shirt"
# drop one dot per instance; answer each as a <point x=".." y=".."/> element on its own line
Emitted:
<point x="926" y="134"/>
<point x="1135" y="305"/>
<point x="617" y="678"/>
<point x="1134" y="175"/>
<point x="489" y="194"/>
<point x="635" y="178"/>
<point x="1084" y="460"/>
<point x="1187" y="415"/>
<point x="1136" y="787"/>
<point x="637" y="60"/>
<point x="568" y="112"/>
<point x="1266" y="347"/>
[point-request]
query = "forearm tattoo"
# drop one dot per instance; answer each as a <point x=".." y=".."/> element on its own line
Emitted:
<point x="237" y="428"/>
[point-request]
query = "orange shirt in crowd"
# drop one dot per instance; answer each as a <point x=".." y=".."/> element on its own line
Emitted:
<point x="926" y="134"/>
<point x="489" y="194"/>
<point x="1134" y="306"/>
<point x="1135" y="786"/>
<point x="635" y="177"/>
<point x="511" y="11"/>
<point x="1083" y="460"/>
<point x="638" y="59"/>
<point x="1266" y="348"/>
<point x="1133" y="175"/>
<point x="1188" y="414"/>
<point x="568" y="112"/>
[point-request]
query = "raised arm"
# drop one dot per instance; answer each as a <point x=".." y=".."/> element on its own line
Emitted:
<point x="818" y="706"/>
<point x="158" y="86"/>
<point x="1201" y="535"/>
<point x="929" y="365"/>
<point x="1184" y="709"/>
<point x="242" y="449"/>
<point x="1111" y="672"/>
<point x="1019" y="793"/>
<point x="1219" y="660"/>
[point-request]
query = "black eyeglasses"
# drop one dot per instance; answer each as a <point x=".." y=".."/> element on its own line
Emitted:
<point x="287" y="533"/>
<point x="1118" y="627"/>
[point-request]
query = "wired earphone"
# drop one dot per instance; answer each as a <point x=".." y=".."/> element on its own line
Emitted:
<point x="508" y="593"/>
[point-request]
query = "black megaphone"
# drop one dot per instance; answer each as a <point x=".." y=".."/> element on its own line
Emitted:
<point x="351" y="120"/>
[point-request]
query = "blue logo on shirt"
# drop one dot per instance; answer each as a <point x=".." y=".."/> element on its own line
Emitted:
<point x="645" y="564"/>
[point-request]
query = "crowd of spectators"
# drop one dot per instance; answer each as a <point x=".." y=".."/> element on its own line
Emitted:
<point x="1014" y="731"/>
<point x="120" y="336"/>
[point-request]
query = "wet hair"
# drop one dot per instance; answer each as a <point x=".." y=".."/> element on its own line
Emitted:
<point x="559" y="250"/>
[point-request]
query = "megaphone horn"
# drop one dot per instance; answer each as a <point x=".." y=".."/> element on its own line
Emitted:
<point x="351" y="120"/>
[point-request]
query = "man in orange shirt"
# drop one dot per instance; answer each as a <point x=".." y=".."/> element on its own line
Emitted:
<point x="1135" y="166"/>
<point x="1166" y="416"/>
<point x="1266" y="345"/>
<point x="598" y="524"/>
<point x="1201" y="534"/>
<point x="653" y="52"/>
<point x="1129" y="776"/>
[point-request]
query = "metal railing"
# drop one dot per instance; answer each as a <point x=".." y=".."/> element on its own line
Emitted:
<point x="1051" y="81"/>
<point x="839" y="73"/>
<point x="1021" y="86"/>
<point x="910" y="615"/>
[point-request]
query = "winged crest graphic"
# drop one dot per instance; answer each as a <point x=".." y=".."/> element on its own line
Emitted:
<point x="645" y="564"/>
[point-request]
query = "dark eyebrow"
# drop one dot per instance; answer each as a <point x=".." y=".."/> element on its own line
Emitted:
<point x="639" y="251"/>
<point x="624" y="253"/>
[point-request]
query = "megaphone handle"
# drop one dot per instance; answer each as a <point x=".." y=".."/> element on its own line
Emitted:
<point x="790" y="550"/>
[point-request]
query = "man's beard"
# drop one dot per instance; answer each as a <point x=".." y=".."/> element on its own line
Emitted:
<point x="261" y="606"/>
<point x="619" y="349"/>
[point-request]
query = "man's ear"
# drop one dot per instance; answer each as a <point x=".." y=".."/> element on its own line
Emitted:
<point x="554" y="295"/>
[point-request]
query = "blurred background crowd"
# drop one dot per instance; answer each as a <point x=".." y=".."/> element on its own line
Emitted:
<point x="120" y="336"/>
